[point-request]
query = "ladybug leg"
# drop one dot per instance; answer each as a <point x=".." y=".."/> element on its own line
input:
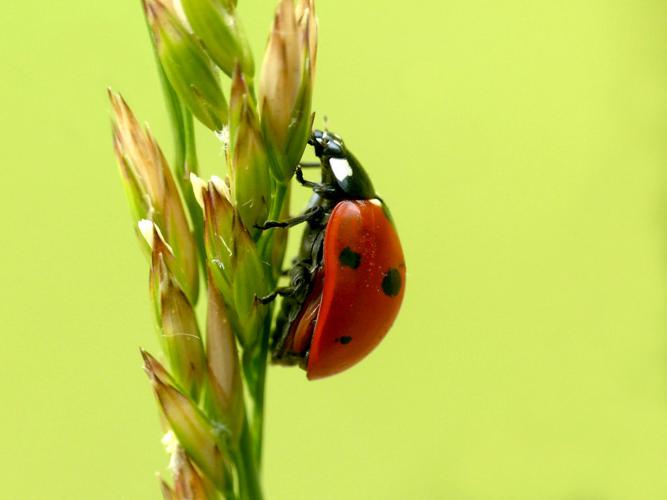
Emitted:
<point x="283" y="291"/>
<point x="298" y="287"/>
<point x="308" y="215"/>
<point x="302" y="181"/>
<point x="321" y="189"/>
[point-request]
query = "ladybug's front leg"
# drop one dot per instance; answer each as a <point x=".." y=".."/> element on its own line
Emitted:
<point x="323" y="190"/>
<point x="298" y="288"/>
<point x="310" y="164"/>
<point x="283" y="291"/>
<point x="309" y="215"/>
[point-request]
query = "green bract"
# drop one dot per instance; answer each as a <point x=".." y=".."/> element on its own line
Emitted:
<point x="220" y="219"/>
<point x="234" y="263"/>
<point x="181" y="341"/>
<point x="215" y="23"/>
<point x="250" y="177"/>
<point x="187" y="66"/>
<point x="201" y="439"/>
<point x="153" y="194"/>
<point x="285" y="86"/>
<point x="224" y="388"/>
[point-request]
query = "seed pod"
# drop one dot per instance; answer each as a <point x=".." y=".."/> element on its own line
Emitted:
<point x="219" y="221"/>
<point x="187" y="66"/>
<point x="224" y="388"/>
<point x="215" y="23"/>
<point x="180" y="337"/>
<point x="152" y="192"/>
<point x="203" y="442"/>
<point x="250" y="282"/>
<point x="249" y="173"/>
<point x="233" y="261"/>
<point x="188" y="482"/>
<point x="285" y="87"/>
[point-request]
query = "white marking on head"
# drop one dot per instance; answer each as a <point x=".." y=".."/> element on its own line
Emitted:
<point x="341" y="168"/>
<point x="376" y="202"/>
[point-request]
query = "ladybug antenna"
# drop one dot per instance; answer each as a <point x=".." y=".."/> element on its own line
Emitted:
<point x="325" y="118"/>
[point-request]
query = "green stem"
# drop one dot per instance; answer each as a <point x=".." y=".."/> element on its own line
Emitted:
<point x="242" y="476"/>
<point x="175" y="112"/>
<point x="265" y="246"/>
<point x="249" y="484"/>
<point x="192" y="165"/>
<point x="258" y="396"/>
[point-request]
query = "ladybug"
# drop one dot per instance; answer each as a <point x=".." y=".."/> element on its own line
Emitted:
<point x="348" y="279"/>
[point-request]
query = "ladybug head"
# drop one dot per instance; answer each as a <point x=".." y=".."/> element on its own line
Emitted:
<point x="340" y="167"/>
<point x="327" y="143"/>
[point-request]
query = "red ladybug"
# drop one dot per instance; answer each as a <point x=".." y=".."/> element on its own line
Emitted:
<point x="347" y="282"/>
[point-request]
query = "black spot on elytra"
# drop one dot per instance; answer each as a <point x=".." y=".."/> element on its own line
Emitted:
<point x="344" y="340"/>
<point x="391" y="283"/>
<point x="349" y="258"/>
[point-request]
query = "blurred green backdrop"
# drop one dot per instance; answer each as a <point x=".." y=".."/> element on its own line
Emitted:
<point x="522" y="147"/>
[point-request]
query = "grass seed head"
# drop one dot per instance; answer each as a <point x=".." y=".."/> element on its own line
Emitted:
<point x="189" y="483"/>
<point x="152" y="191"/>
<point x="187" y="65"/>
<point x="204" y="442"/>
<point x="180" y="337"/>
<point x="216" y="25"/>
<point x="249" y="173"/>
<point x="286" y="82"/>
<point x="225" y="388"/>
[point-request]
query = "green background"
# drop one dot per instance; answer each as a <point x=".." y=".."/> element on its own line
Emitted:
<point x="522" y="147"/>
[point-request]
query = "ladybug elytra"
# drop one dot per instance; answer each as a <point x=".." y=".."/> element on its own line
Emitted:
<point x="348" y="279"/>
